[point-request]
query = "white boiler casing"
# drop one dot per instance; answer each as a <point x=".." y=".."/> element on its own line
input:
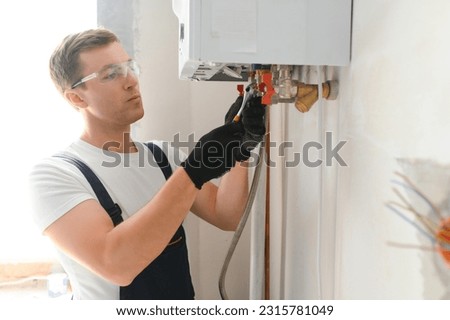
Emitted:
<point x="226" y="36"/>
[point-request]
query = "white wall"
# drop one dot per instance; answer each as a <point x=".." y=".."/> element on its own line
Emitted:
<point x="392" y="104"/>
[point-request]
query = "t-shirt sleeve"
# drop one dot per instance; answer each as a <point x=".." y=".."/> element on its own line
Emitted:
<point x="55" y="188"/>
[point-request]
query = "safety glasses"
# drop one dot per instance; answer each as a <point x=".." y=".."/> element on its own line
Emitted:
<point x="111" y="72"/>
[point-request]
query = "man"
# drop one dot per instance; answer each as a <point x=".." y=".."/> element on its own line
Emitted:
<point x="139" y="258"/>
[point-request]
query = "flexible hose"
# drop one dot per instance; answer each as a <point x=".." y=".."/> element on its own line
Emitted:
<point x="241" y="225"/>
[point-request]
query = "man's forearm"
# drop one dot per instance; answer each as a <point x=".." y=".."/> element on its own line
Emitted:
<point x="232" y="195"/>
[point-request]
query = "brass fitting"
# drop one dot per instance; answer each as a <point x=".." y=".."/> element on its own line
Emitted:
<point x="308" y="94"/>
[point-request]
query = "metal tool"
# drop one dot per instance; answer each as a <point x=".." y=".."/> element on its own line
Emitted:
<point x="248" y="92"/>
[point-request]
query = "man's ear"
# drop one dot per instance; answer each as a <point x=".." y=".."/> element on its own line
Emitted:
<point x="75" y="99"/>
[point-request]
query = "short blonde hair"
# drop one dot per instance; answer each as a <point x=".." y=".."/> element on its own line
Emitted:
<point x="65" y="67"/>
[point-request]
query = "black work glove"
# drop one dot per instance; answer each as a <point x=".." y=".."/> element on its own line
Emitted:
<point x="214" y="154"/>
<point x="252" y="118"/>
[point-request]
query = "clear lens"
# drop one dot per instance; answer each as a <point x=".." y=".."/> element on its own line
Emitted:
<point x="114" y="71"/>
<point x="134" y="67"/>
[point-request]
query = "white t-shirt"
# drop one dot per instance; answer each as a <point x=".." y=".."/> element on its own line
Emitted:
<point x="131" y="179"/>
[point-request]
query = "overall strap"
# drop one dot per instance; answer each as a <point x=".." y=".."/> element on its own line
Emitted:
<point x="161" y="159"/>
<point x="103" y="196"/>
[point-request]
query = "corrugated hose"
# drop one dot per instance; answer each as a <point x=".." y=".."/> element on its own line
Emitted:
<point x="241" y="225"/>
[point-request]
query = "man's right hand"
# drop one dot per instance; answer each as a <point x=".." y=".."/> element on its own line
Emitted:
<point x="214" y="154"/>
<point x="253" y="120"/>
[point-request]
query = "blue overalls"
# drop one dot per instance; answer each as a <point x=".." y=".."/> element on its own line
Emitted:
<point x="168" y="276"/>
